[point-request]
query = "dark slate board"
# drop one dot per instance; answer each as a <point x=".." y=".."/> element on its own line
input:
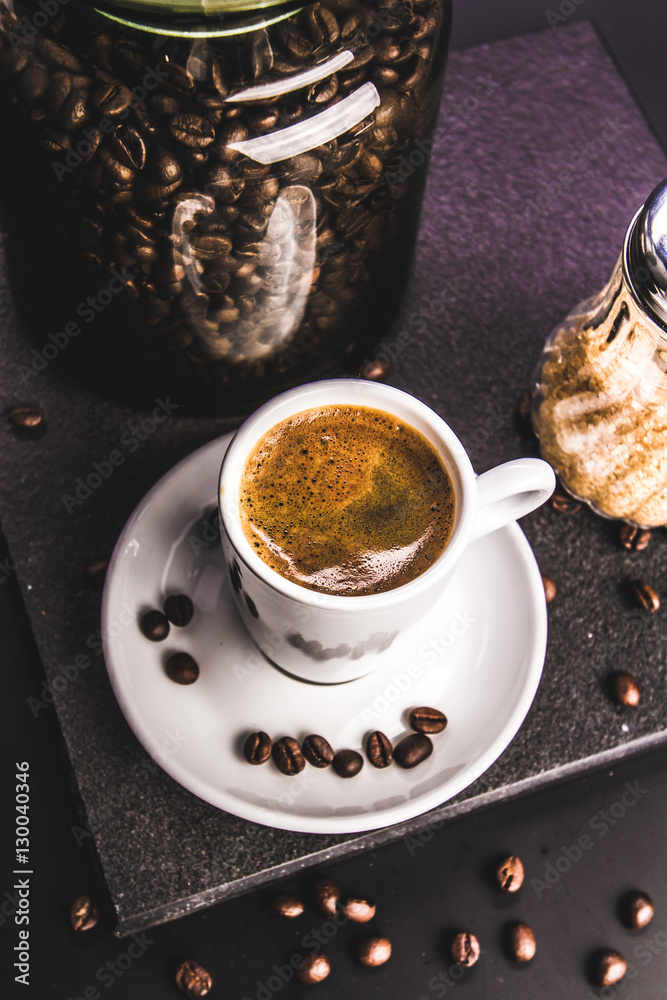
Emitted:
<point x="540" y="161"/>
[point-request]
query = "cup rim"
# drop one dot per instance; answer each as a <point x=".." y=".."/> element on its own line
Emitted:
<point x="371" y="394"/>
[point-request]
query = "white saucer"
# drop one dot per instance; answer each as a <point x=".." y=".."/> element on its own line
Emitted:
<point x="478" y="657"/>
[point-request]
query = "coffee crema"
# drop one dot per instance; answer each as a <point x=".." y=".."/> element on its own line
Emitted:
<point x="346" y="500"/>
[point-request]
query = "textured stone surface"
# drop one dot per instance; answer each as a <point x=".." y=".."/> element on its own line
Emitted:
<point x="540" y="162"/>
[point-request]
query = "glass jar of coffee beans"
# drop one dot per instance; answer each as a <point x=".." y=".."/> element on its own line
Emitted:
<point x="215" y="198"/>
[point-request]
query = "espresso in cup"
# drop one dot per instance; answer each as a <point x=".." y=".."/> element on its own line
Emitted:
<point x="346" y="500"/>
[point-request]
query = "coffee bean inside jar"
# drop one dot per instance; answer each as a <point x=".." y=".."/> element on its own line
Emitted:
<point x="244" y="195"/>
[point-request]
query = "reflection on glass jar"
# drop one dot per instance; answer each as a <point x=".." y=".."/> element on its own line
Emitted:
<point x="224" y="200"/>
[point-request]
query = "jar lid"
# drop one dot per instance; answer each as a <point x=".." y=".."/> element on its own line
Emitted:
<point x="647" y="253"/>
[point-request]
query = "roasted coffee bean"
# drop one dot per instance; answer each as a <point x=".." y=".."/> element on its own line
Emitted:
<point x="625" y="689"/>
<point x="347" y="763"/>
<point x="549" y="588"/>
<point x="521" y="944"/>
<point x="192" y="130"/>
<point x="57" y="55"/>
<point x="26" y="416"/>
<point x="112" y="99"/>
<point x="638" y="910"/>
<point x="118" y="171"/>
<point x="465" y="949"/>
<point x="412" y="750"/>
<point x="83" y="914"/>
<point x="74" y="113"/>
<point x="13" y="61"/>
<point x="523" y="415"/>
<point x="32" y="83"/>
<point x="179" y="609"/>
<point x="257" y="748"/>
<point x="375" y="370"/>
<point x="610" y="967"/>
<point x="193" y="979"/>
<point x="374" y="951"/>
<point x="564" y="503"/>
<point x="283" y="905"/>
<point x="634" y="539"/>
<point x="313" y="969"/>
<point x="327" y="896"/>
<point x="163" y="104"/>
<point x="154" y="626"/>
<point x="95" y="573"/>
<point x="296" y="42"/>
<point x="164" y="167"/>
<point x="287" y="756"/>
<point x="510" y="874"/>
<point x="323" y="91"/>
<point x="128" y="53"/>
<point x="359" y="911"/>
<point x="378" y="750"/>
<point x="317" y="751"/>
<point x="644" y="596"/>
<point x="129" y="147"/>
<point x="179" y="80"/>
<point x="427" y="720"/>
<point x="181" y="668"/>
<point x="210" y="246"/>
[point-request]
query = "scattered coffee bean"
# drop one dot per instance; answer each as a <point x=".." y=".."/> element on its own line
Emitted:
<point x="564" y="503"/>
<point x="374" y="951"/>
<point x="26" y="416"/>
<point x="313" y="969"/>
<point x="610" y="967"/>
<point x="182" y="668"/>
<point x="286" y="906"/>
<point x="378" y="750"/>
<point x="427" y="720"/>
<point x="193" y="979"/>
<point x="625" y="689"/>
<point x="179" y="610"/>
<point x="317" y="751"/>
<point x="95" y="573"/>
<point x="359" y="911"/>
<point x="634" y="539"/>
<point x="257" y="748"/>
<point x="327" y="896"/>
<point x="465" y="949"/>
<point x="83" y="914"/>
<point x="154" y="626"/>
<point x="375" y="371"/>
<point x="638" y="910"/>
<point x="521" y="942"/>
<point x="287" y="756"/>
<point x="644" y="596"/>
<point x="523" y="412"/>
<point x="549" y="588"/>
<point x="412" y="750"/>
<point x="347" y="763"/>
<point x="510" y="874"/>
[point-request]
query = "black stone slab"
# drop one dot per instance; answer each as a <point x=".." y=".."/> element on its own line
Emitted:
<point x="540" y="161"/>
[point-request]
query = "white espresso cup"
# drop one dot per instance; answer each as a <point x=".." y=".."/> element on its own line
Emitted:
<point x="329" y="638"/>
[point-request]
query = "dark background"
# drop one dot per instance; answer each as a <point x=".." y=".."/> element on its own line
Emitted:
<point x="426" y="888"/>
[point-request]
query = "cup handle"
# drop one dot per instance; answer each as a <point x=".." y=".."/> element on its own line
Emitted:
<point x="509" y="491"/>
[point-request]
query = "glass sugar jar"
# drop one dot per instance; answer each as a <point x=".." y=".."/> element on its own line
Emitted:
<point x="222" y="196"/>
<point x="600" y="406"/>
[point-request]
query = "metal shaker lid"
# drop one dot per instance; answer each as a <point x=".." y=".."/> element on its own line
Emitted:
<point x="646" y="256"/>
